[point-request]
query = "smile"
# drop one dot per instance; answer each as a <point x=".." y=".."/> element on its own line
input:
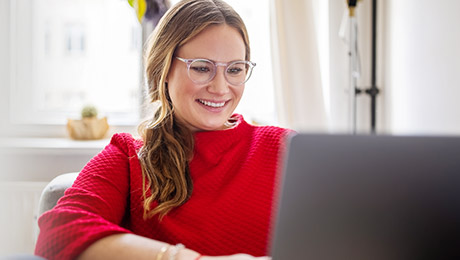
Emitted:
<point x="211" y="104"/>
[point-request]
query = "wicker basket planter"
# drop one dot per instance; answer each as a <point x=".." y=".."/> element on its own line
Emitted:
<point x="88" y="128"/>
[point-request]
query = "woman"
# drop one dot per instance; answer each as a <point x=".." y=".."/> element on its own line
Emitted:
<point x="200" y="184"/>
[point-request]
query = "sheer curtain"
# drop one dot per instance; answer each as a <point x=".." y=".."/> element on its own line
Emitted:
<point x="299" y="86"/>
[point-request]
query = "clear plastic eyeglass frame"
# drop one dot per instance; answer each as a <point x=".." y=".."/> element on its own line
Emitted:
<point x="203" y="71"/>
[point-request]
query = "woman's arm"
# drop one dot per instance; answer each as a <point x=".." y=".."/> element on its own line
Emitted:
<point x="130" y="246"/>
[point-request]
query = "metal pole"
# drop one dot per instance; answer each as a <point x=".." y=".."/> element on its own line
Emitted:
<point x="373" y="90"/>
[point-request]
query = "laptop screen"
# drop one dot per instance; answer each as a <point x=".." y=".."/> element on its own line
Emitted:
<point x="369" y="197"/>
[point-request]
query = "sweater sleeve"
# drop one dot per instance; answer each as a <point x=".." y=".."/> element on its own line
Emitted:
<point x="92" y="208"/>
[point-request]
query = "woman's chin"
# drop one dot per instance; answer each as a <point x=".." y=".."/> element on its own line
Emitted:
<point x="212" y="125"/>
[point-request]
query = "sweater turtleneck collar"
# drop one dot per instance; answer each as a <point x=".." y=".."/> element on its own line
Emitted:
<point x="216" y="142"/>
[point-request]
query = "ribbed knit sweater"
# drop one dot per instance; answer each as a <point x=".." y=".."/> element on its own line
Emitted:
<point x="234" y="174"/>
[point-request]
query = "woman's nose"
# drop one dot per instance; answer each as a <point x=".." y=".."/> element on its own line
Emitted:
<point x="219" y="85"/>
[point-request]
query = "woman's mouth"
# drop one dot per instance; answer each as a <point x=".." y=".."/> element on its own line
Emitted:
<point x="212" y="104"/>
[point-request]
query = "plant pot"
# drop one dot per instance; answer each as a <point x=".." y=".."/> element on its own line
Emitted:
<point x="90" y="128"/>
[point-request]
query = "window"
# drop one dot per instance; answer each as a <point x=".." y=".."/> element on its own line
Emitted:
<point x="68" y="54"/>
<point x="74" y="36"/>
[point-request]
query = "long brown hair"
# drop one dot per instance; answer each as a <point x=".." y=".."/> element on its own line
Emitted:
<point x="168" y="144"/>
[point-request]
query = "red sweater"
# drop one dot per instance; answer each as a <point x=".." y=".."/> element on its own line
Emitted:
<point x="234" y="175"/>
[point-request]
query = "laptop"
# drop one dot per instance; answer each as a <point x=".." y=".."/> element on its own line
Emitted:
<point x="369" y="197"/>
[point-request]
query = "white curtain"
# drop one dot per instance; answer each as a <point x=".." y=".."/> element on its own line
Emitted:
<point x="299" y="87"/>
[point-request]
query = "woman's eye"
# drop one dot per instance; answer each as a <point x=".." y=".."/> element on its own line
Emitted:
<point x="200" y="69"/>
<point x="234" y="70"/>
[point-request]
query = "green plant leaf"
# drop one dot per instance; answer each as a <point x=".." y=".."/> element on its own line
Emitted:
<point x="140" y="6"/>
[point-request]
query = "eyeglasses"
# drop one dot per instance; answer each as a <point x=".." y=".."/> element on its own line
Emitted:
<point x="202" y="71"/>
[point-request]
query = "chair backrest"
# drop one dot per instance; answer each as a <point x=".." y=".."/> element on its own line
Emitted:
<point x="54" y="191"/>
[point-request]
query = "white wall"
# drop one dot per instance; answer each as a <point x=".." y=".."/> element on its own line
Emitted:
<point x="18" y="220"/>
<point x="421" y="66"/>
<point x="26" y="166"/>
<point x="4" y="61"/>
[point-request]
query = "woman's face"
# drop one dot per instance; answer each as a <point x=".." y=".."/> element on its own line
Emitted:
<point x="204" y="107"/>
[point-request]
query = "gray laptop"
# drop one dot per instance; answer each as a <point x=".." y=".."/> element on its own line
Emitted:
<point x="369" y="197"/>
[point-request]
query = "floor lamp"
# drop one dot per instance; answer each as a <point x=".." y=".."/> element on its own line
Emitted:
<point x="372" y="91"/>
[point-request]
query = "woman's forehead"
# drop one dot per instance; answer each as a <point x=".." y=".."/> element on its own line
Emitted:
<point x="216" y="42"/>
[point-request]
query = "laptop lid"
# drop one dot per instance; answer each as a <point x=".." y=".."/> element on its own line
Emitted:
<point x="369" y="197"/>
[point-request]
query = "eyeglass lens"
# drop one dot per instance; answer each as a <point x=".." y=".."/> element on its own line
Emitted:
<point x="203" y="71"/>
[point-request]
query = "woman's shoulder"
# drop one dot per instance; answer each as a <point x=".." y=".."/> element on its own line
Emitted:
<point x="271" y="130"/>
<point x="126" y="142"/>
<point x="271" y="133"/>
<point x="259" y="131"/>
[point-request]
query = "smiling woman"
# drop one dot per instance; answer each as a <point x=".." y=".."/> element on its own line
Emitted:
<point x="199" y="176"/>
<point x="258" y="101"/>
<point x="206" y="106"/>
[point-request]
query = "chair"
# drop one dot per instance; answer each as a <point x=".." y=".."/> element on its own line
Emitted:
<point x="54" y="191"/>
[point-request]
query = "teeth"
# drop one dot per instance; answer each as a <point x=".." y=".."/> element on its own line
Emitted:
<point x="212" y="104"/>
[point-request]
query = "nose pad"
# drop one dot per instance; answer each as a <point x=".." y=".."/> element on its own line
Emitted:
<point x="219" y="84"/>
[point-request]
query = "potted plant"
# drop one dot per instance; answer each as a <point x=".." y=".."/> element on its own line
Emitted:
<point x="89" y="127"/>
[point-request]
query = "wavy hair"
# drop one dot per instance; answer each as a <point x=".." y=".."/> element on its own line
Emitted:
<point x="167" y="143"/>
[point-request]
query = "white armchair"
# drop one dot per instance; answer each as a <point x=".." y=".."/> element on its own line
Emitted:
<point x="54" y="191"/>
